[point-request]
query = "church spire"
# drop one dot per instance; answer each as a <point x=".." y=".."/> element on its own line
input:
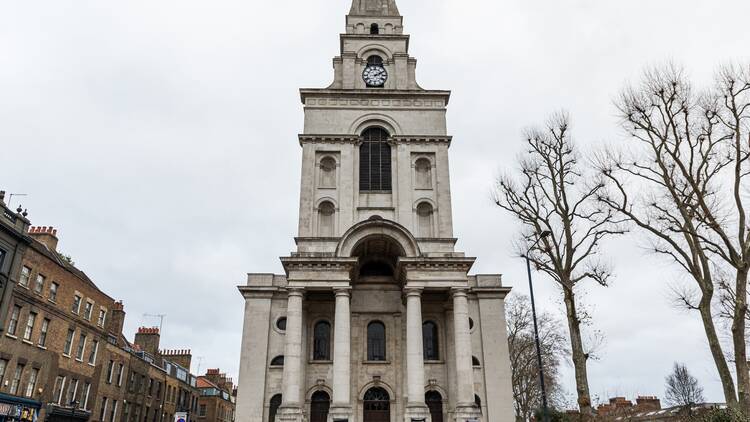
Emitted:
<point x="374" y="8"/>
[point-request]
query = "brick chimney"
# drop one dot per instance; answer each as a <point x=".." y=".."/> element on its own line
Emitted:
<point x="45" y="235"/>
<point x="147" y="338"/>
<point x="644" y="403"/>
<point x="182" y="357"/>
<point x="116" y="320"/>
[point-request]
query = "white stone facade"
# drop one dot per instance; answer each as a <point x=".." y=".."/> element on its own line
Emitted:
<point x="376" y="318"/>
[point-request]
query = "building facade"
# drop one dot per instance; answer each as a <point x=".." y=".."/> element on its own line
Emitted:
<point x="13" y="243"/>
<point x="376" y="317"/>
<point x="216" y="402"/>
<point x="63" y="356"/>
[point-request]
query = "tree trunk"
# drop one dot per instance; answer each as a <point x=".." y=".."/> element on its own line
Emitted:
<point x="730" y="394"/>
<point x="578" y="355"/>
<point x="738" y="338"/>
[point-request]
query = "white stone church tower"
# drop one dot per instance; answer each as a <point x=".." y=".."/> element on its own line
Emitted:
<point x="376" y="318"/>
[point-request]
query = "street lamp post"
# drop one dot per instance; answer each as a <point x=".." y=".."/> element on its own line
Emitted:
<point x="545" y="413"/>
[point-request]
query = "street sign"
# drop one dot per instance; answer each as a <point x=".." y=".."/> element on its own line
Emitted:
<point x="180" y="417"/>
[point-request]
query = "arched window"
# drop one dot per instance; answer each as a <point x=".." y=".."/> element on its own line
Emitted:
<point x="376" y="341"/>
<point x="475" y="361"/>
<point x="278" y="361"/>
<point x="273" y="407"/>
<point x="322" y="341"/>
<point x="375" y="161"/>
<point x="281" y="323"/>
<point x="374" y="61"/>
<point x="377" y="405"/>
<point x="434" y="402"/>
<point x="326" y="218"/>
<point x="478" y="402"/>
<point x="328" y="172"/>
<point x="424" y="217"/>
<point x="320" y="403"/>
<point x="430" y="341"/>
<point x="423" y="170"/>
<point x="374" y="29"/>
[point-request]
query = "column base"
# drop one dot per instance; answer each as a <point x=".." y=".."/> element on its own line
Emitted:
<point x="340" y="414"/>
<point x="290" y="414"/>
<point x="417" y="412"/>
<point x="467" y="413"/>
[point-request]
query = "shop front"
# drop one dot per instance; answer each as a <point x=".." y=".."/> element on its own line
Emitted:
<point x="66" y="414"/>
<point x="18" y="409"/>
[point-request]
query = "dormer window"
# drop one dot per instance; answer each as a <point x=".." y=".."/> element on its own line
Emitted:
<point x="374" y="29"/>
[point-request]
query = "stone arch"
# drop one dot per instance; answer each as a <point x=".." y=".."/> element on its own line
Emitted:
<point x="377" y="383"/>
<point x="437" y="388"/>
<point x="375" y="119"/>
<point x="381" y="228"/>
<point x="375" y="49"/>
<point x="322" y="386"/>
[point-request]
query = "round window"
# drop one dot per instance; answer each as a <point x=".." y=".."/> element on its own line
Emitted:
<point x="281" y="323"/>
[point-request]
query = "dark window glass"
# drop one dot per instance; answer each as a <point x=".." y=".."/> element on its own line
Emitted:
<point x="281" y="323"/>
<point x="435" y="403"/>
<point x="376" y="341"/>
<point x="277" y="361"/>
<point x="430" y="341"/>
<point x="471" y="324"/>
<point x="375" y="161"/>
<point x="322" y="341"/>
<point x="374" y="29"/>
<point x="478" y="402"/>
<point x="376" y="269"/>
<point x="274" y="407"/>
<point x="375" y="61"/>
<point x="319" y="406"/>
<point x="2" y="259"/>
<point x="475" y="361"/>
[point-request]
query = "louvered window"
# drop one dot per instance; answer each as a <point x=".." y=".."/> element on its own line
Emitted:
<point x="375" y="161"/>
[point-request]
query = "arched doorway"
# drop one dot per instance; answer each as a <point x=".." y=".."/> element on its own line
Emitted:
<point x="435" y="403"/>
<point x="319" y="405"/>
<point x="273" y="407"/>
<point x="377" y="405"/>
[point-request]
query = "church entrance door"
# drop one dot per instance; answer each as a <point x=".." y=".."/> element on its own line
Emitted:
<point x="435" y="403"/>
<point x="377" y="405"/>
<point x="319" y="406"/>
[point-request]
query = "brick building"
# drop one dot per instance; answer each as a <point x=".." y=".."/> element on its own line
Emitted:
<point x="620" y="406"/>
<point x="216" y="402"/>
<point x="63" y="356"/>
<point x="13" y="243"/>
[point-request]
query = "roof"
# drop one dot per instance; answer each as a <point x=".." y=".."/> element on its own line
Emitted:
<point x="374" y="8"/>
<point x="205" y="383"/>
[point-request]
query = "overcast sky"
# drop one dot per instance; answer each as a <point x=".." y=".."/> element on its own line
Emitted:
<point x="159" y="137"/>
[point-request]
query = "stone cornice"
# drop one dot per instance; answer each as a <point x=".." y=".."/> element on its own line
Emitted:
<point x="389" y="98"/>
<point x="355" y="140"/>
<point x="437" y="263"/>
<point x="422" y="139"/>
<point x="296" y="263"/>
<point x="328" y="139"/>
<point x="491" y="292"/>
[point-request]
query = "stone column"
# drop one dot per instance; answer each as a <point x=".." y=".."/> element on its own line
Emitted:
<point x="341" y="407"/>
<point x="291" y="408"/>
<point x="415" y="406"/>
<point x="465" y="406"/>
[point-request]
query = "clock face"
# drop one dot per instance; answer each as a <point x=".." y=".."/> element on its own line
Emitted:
<point x="375" y="75"/>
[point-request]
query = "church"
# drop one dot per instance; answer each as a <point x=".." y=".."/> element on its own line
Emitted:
<point x="376" y="318"/>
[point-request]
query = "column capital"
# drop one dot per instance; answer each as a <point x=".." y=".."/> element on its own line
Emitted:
<point x="343" y="292"/>
<point x="295" y="291"/>
<point x="459" y="292"/>
<point x="413" y="291"/>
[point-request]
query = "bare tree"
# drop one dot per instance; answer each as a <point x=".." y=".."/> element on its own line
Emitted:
<point x="688" y="153"/>
<point x="552" y="196"/>
<point x="523" y="358"/>
<point x="682" y="389"/>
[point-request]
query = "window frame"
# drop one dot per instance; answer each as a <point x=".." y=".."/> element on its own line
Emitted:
<point x="88" y="309"/>
<point x="15" y="383"/>
<point x="53" y="287"/>
<point x="25" y="277"/>
<point x="372" y="356"/>
<point x="435" y="343"/>
<point x="94" y="352"/>
<point x="81" y="349"/>
<point x="39" y="283"/>
<point x="76" y="306"/>
<point x="28" y="332"/>
<point x="374" y="142"/>
<point x="43" y="331"/>
<point x="324" y="353"/>
<point x="15" y="315"/>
